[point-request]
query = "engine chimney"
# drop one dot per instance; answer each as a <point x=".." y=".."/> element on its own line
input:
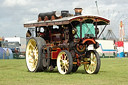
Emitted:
<point x="78" y="11"/>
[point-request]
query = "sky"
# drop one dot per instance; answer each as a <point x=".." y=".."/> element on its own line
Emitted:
<point x="14" y="13"/>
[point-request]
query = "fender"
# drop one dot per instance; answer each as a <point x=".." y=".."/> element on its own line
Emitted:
<point x="90" y="41"/>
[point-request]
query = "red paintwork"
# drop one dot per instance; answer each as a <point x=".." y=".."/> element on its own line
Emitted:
<point x="55" y="53"/>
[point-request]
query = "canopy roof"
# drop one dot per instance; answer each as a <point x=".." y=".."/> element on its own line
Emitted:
<point x="68" y="20"/>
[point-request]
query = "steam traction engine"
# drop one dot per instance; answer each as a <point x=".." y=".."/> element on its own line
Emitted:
<point x="63" y="41"/>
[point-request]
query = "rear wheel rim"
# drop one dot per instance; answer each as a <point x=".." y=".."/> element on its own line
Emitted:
<point x="32" y="55"/>
<point x="91" y="67"/>
<point x="63" y="63"/>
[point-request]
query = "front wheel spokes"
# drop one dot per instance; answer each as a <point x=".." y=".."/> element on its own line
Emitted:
<point x="65" y="56"/>
<point x="62" y="67"/>
<point x="92" y="67"/>
<point x="93" y="59"/>
<point x="93" y="62"/>
<point x="67" y="66"/>
<point x="92" y="56"/>
<point x="64" y="63"/>
<point x="66" y="69"/>
<point x="87" y="59"/>
<point x="87" y="66"/>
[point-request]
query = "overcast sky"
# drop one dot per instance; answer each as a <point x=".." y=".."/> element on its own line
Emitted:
<point x="14" y="13"/>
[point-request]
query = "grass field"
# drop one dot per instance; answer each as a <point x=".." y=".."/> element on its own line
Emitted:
<point x="114" y="71"/>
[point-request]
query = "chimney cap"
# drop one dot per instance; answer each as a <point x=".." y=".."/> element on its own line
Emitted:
<point x="78" y="8"/>
<point x="78" y="11"/>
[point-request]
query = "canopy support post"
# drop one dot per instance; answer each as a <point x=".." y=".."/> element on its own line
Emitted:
<point x="96" y="29"/>
<point x="36" y="32"/>
<point x="102" y="31"/>
<point x="80" y="30"/>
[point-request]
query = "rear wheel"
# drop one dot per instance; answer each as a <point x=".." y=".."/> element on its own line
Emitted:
<point x="34" y="54"/>
<point x="64" y="62"/>
<point x="93" y="66"/>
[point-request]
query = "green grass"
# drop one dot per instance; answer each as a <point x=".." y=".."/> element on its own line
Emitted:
<point x="114" y="71"/>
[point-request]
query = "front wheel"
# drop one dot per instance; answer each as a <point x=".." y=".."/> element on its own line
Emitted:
<point x="93" y="58"/>
<point x="64" y="62"/>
